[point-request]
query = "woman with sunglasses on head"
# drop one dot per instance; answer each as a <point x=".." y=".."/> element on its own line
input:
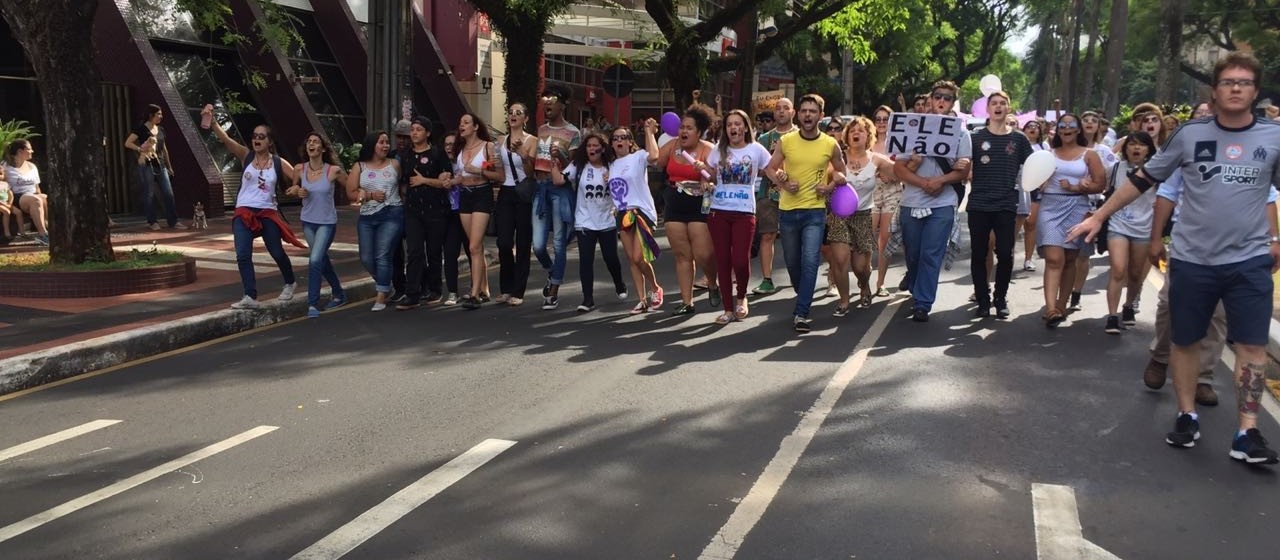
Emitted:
<point x="317" y="174"/>
<point x="636" y="215"/>
<point x="517" y="150"/>
<point x="1129" y="235"/>
<point x="588" y="176"/>
<point x="256" y="213"/>
<point x="1064" y="202"/>
<point x="374" y="182"/>
<point x="885" y="201"/>
<point x="476" y="168"/>
<point x="686" y="225"/>
<point x="734" y="165"/>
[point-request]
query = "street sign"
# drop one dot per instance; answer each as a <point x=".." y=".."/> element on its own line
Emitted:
<point x="619" y="80"/>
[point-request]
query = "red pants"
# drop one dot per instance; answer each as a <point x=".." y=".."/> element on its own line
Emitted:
<point x="731" y="234"/>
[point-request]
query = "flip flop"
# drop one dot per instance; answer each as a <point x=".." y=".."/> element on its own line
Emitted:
<point x="741" y="310"/>
<point x="725" y="318"/>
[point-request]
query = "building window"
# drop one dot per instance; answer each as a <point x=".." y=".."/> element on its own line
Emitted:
<point x="200" y="80"/>
<point x="335" y="104"/>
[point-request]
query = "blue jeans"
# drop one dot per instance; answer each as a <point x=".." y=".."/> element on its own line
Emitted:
<point x="160" y="175"/>
<point x="379" y="235"/>
<point x="926" y="243"/>
<point x="319" y="238"/>
<point x="552" y="213"/>
<point x="801" y="232"/>
<point x="244" y="253"/>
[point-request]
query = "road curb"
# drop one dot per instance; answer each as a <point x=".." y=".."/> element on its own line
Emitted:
<point x="69" y="360"/>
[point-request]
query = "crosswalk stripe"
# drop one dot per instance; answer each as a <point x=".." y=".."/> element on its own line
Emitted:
<point x="381" y="516"/>
<point x="91" y="498"/>
<point x="46" y="441"/>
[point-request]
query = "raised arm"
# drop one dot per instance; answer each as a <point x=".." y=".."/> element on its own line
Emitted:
<point x="230" y="144"/>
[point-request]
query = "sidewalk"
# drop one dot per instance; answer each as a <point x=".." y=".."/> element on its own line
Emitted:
<point x="42" y="340"/>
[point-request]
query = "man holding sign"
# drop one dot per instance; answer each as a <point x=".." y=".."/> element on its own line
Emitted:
<point x="941" y="146"/>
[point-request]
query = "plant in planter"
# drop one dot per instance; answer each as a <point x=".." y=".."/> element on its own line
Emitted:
<point x="14" y="130"/>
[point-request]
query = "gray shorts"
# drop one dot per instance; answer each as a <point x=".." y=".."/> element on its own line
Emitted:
<point x="766" y="215"/>
<point x="1134" y="240"/>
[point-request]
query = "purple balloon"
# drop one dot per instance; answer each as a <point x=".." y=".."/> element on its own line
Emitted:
<point x="671" y="123"/>
<point x="844" y="201"/>
<point x="980" y="108"/>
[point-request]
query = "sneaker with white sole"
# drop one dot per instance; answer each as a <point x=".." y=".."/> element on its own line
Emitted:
<point x="1186" y="430"/>
<point x="1029" y="265"/>
<point x="286" y="294"/>
<point x="246" y="302"/>
<point x="1250" y="447"/>
<point x="451" y="299"/>
<point x="378" y="307"/>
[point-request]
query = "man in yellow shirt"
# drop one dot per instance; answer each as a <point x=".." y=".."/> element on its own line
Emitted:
<point x="799" y="167"/>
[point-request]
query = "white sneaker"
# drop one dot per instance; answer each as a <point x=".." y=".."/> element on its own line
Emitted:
<point x="246" y="302"/>
<point x="378" y="307"/>
<point x="1028" y="265"/>
<point x="287" y="293"/>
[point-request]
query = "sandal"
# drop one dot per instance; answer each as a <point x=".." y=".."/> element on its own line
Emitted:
<point x="502" y="298"/>
<point x="881" y="292"/>
<point x="1053" y="319"/>
<point x="741" y="310"/>
<point x="726" y="318"/>
<point x="640" y="308"/>
<point x="863" y="302"/>
<point x="685" y="309"/>
<point x="515" y="301"/>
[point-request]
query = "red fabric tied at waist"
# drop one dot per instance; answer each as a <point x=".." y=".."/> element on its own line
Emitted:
<point x="252" y="219"/>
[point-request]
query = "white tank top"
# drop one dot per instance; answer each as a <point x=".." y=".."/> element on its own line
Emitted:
<point x="258" y="188"/>
<point x="1073" y="170"/>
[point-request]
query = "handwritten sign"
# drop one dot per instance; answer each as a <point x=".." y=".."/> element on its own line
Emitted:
<point x="927" y="135"/>
<point x="764" y="101"/>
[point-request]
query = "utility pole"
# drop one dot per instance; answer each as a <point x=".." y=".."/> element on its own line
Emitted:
<point x="388" y="59"/>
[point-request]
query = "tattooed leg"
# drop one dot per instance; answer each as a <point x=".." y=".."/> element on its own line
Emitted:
<point x="1250" y="384"/>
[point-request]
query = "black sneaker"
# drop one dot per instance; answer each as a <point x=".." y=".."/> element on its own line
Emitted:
<point x="841" y="311"/>
<point x="546" y="290"/>
<point x="408" y="303"/>
<point x="432" y="297"/>
<point x="801" y="324"/>
<point x="586" y="306"/>
<point x="1002" y="309"/>
<point x="1127" y="316"/>
<point x="919" y="315"/>
<point x="902" y="286"/>
<point x="1113" y="325"/>
<point x="1186" y="430"/>
<point x="983" y="311"/>
<point x="1075" y="302"/>
<point x="551" y="302"/>
<point x="1252" y="448"/>
<point x="397" y="297"/>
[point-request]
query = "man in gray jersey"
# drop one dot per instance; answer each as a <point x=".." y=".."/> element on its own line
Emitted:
<point x="1225" y="247"/>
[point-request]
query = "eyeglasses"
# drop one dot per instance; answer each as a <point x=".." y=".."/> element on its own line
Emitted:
<point x="1229" y="83"/>
<point x="1068" y="125"/>
<point x="944" y="96"/>
<point x="259" y="136"/>
<point x="882" y="119"/>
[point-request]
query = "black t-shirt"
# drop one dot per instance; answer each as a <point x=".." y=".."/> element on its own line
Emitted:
<point x="430" y="163"/>
<point x="997" y="158"/>
<point x="143" y="133"/>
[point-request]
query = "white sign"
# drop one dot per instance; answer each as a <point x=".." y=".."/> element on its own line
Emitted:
<point x="927" y="135"/>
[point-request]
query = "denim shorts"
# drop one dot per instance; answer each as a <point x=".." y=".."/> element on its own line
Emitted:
<point x="1244" y="288"/>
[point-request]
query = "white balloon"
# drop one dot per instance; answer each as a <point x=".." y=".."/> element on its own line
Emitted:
<point x="990" y="84"/>
<point x="1038" y="168"/>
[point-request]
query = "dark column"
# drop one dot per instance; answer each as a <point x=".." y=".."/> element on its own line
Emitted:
<point x="434" y="73"/>
<point x="347" y="42"/>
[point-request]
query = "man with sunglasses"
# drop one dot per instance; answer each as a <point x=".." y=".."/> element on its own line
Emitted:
<point x="928" y="210"/>
<point x="553" y="205"/>
<point x="1225" y="247"/>
<point x="764" y="121"/>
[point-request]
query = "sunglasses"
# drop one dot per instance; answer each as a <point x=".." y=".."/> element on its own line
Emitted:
<point x="622" y="138"/>
<point x="882" y="119"/>
<point x="944" y="96"/>
<point x="1068" y="125"/>
<point x="259" y="136"/>
<point x="516" y="112"/>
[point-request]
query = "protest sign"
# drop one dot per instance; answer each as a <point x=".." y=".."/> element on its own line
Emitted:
<point x="927" y="135"/>
<point x="764" y="101"/>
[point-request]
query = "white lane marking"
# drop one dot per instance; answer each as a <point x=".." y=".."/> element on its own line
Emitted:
<point x="381" y="516"/>
<point x="1059" y="535"/>
<point x="91" y="498"/>
<point x="46" y="441"/>
<point x="724" y="545"/>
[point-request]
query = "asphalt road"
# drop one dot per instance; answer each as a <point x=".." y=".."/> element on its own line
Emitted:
<point x="634" y="437"/>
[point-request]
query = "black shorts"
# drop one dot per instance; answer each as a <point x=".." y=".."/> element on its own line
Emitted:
<point x="1244" y="288"/>
<point x="680" y="207"/>
<point x="473" y="200"/>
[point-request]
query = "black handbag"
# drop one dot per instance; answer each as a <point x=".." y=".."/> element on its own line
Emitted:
<point x="525" y="188"/>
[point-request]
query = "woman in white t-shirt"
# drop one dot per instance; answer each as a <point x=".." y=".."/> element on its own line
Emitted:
<point x="24" y="186"/>
<point x="636" y="216"/>
<point x="734" y="163"/>
<point x="593" y="218"/>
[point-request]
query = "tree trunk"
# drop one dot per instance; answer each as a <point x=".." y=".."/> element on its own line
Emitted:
<point x="1168" y="71"/>
<point x="1090" y="55"/>
<point x="686" y="65"/>
<point x="1047" y="47"/>
<point x="522" y="78"/>
<point x="57" y="36"/>
<point x="1115" y="55"/>
<point x="1070" y="54"/>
